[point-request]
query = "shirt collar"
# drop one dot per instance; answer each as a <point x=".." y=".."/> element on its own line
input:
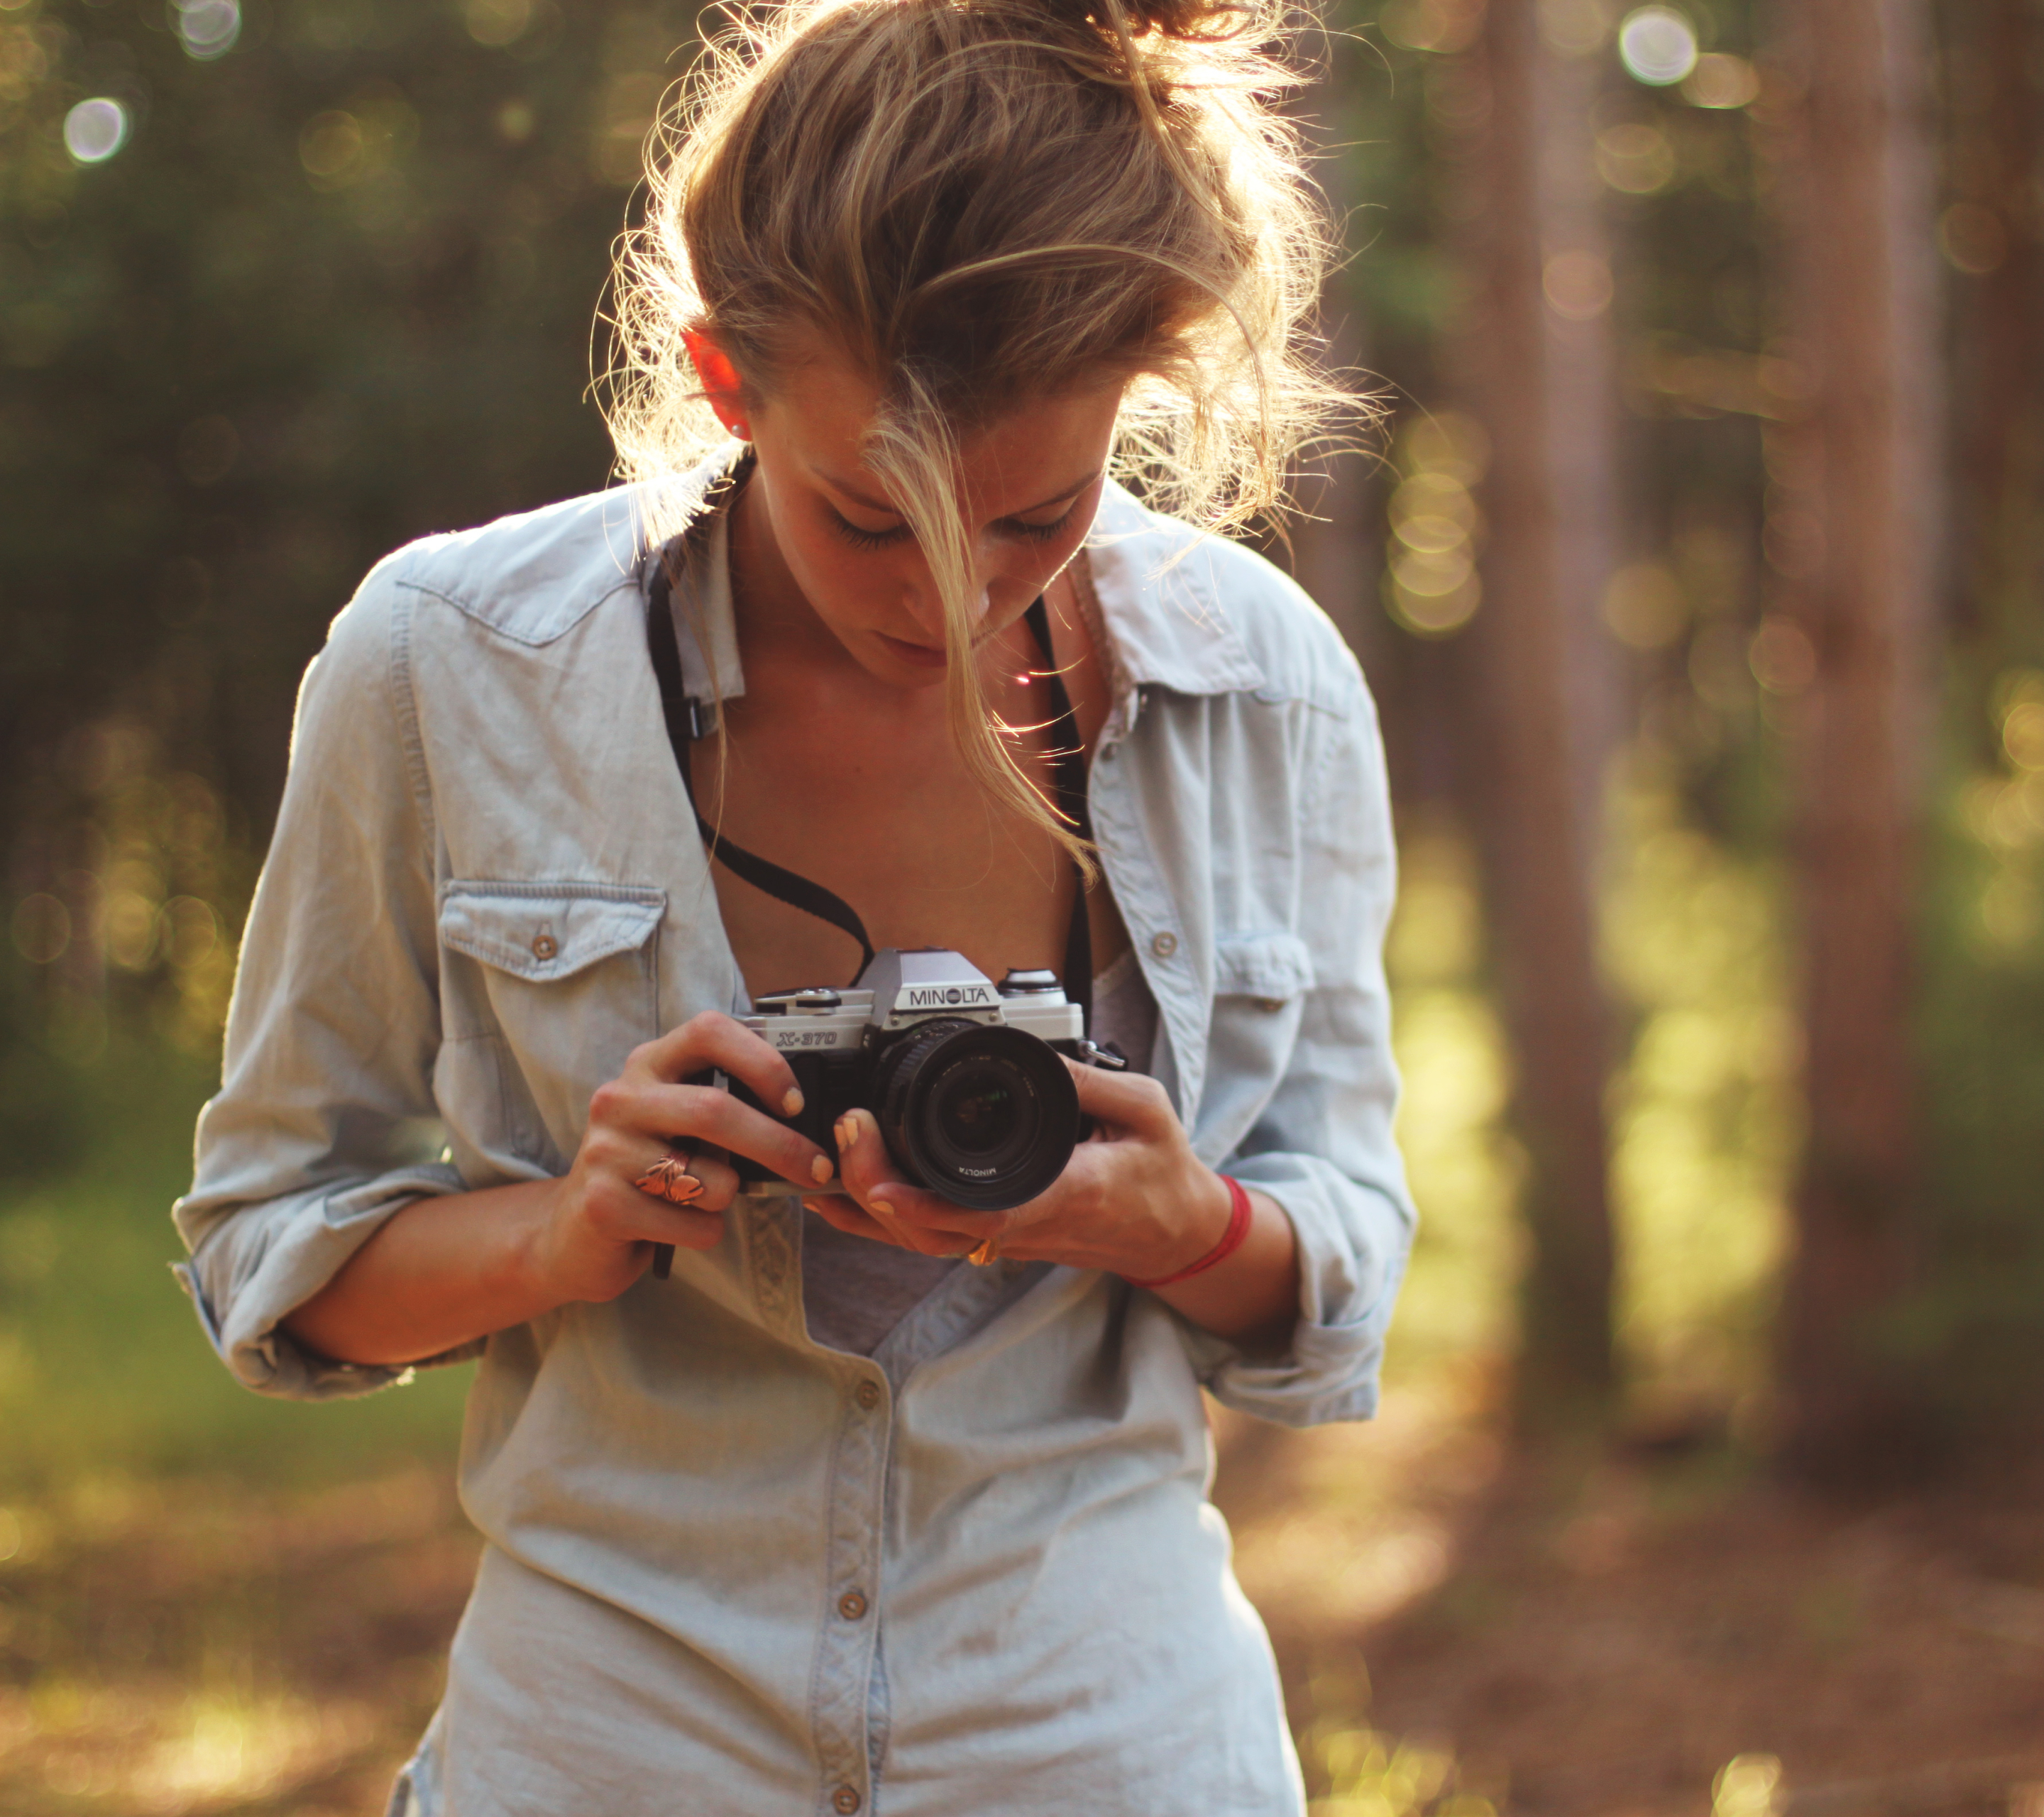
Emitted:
<point x="1160" y="596"/>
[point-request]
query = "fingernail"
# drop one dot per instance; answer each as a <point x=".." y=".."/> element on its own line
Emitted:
<point x="820" y="1169"/>
<point x="791" y="1102"/>
<point x="841" y="1129"/>
<point x="882" y="1207"/>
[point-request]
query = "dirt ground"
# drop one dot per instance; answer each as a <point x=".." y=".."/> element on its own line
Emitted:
<point x="1463" y="1632"/>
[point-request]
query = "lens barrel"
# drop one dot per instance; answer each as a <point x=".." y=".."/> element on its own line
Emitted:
<point x="985" y="1115"/>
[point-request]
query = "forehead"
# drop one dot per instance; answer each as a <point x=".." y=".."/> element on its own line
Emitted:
<point x="1021" y="457"/>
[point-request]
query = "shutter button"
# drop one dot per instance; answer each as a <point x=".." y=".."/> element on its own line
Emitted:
<point x="845" y="1800"/>
<point x="1165" y="945"/>
<point x="545" y="946"/>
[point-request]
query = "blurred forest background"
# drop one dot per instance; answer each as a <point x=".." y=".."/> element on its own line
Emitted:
<point x="1698" y="574"/>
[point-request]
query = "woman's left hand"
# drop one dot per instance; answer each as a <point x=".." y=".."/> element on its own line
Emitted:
<point x="1135" y="1200"/>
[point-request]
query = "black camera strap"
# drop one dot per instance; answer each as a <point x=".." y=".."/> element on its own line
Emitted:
<point x="687" y="720"/>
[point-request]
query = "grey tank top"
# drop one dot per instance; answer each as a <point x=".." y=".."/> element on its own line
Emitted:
<point x="855" y="1291"/>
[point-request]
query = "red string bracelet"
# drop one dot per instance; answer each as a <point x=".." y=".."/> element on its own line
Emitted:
<point x="1231" y="1239"/>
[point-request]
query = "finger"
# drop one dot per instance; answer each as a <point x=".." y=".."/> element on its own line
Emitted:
<point x="921" y="1221"/>
<point x="693" y="1115"/>
<point x="626" y="1214"/>
<point x="715" y="1040"/>
<point x="872" y="1174"/>
<point x="1130" y="1100"/>
<point x="840" y="1213"/>
<point x="720" y="1179"/>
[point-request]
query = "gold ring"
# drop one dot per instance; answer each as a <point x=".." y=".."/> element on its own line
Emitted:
<point x="669" y="1178"/>
<point x="987" y="1252"/>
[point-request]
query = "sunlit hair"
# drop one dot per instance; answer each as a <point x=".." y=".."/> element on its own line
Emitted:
<point x="976" y="202"/>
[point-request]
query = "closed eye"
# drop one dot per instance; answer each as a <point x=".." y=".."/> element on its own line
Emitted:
<point x="861" y="539"/>
<point x="1042" y="533"/>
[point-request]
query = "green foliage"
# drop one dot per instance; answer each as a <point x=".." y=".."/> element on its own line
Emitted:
<point x="104" y="1370"/>
<point x="1975" y="1327"/>
<point x="333" y="292"/>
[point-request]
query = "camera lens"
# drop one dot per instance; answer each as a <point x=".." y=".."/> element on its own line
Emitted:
<point x="985" y="1116"/>
<point x="979" y="1107"/>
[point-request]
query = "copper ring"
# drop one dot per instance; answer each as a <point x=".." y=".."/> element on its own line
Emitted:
<point x="669" y="1178"/>
<point x="988" y="1251"/>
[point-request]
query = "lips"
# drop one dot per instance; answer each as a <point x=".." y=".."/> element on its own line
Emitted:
<point x="916" y="655"/>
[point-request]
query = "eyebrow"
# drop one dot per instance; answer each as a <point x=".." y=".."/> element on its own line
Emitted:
<point x="888" y="510"/>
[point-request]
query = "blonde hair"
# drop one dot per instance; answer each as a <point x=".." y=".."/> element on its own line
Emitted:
<point x="978" y="201"/>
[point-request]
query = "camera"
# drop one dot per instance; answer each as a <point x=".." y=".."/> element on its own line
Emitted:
<point x="965" y="1077"/>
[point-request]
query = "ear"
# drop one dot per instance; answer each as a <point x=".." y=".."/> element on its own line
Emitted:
<point x="720" y="382"/>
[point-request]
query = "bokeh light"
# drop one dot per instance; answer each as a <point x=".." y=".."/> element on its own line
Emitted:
<point x="207" y="28"/>
<point x="1635" y="160"/>
<point x="1719" y="81"/>
<point x="95" y="129"/>
<point x="1658" y="46"/>
<point x="1432" y="588"/>
<point x="1577" y="283"/>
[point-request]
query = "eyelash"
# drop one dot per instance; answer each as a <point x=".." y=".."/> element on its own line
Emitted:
<point x="1045" y="533"/>
<point x="861" y="539"/>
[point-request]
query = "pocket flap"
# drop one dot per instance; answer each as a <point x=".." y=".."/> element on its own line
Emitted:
<point x="1272" y="965"/>
<point x="546" y="931"/>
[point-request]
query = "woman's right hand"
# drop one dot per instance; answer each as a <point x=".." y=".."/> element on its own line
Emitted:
<point x="598" y="1235"/>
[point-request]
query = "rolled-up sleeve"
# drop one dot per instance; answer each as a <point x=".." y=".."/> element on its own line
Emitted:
<point x="326" y="1098"/>
<point x="1323" y="1146"/>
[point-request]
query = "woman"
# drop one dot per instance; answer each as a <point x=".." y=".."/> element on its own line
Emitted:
<point x="828" y="1519"/>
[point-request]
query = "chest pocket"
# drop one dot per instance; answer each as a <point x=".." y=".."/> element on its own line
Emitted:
<point x="1260" y="986"/>
<point x="545" y="990"/>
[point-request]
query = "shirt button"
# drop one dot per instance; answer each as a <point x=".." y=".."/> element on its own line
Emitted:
<point x="545" y="946"/>
<point x="852" y="1605"/>
<point x="1164" y="945"/>
<point x="868" y="1394"/>
<point x="845" y="1799"/>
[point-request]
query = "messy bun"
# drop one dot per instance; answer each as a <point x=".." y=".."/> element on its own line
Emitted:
<point x="1196" y="20"/>
<point x="978" y="201"/>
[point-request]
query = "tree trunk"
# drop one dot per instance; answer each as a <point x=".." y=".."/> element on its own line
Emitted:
<point x="1855" y="239"/>
<point x="1999" y="127"/>
<point x="1538" y="382"/>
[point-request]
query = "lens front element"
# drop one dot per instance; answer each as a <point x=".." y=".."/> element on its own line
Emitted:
<point x="985" y="1116"/>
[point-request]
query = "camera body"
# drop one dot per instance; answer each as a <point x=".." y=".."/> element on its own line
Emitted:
<point x="966" y="1078"/>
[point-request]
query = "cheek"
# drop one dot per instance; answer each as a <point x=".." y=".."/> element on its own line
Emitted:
<point x="841" y="584"/>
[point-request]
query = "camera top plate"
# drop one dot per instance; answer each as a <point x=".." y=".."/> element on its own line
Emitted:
<point x="901" y="989"/>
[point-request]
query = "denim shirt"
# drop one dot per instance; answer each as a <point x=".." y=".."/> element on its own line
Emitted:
<point x="727" y="1569"/>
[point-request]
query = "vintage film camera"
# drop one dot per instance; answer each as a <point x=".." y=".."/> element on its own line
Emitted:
<point x="963" y="1076"/>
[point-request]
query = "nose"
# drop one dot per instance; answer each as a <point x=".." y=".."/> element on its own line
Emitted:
<point x="926" y="605"/>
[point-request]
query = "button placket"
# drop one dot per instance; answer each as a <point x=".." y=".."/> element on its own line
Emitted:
<point x="839" y="1713"/>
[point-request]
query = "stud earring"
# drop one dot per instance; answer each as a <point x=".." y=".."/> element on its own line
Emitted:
<point x="743" y="431"/>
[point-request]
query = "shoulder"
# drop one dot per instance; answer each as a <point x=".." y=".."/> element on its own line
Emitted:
<point x="530" y="577"/>
<point x="1204" y="614"/>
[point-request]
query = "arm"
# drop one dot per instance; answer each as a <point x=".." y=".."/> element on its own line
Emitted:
<point x="445" y="1272"/>
<point x="1291" y="1326"/>
<point x="1321" y="1145"/>
<point x="302" y="1155"/>
<point x="323" y="1261"/>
